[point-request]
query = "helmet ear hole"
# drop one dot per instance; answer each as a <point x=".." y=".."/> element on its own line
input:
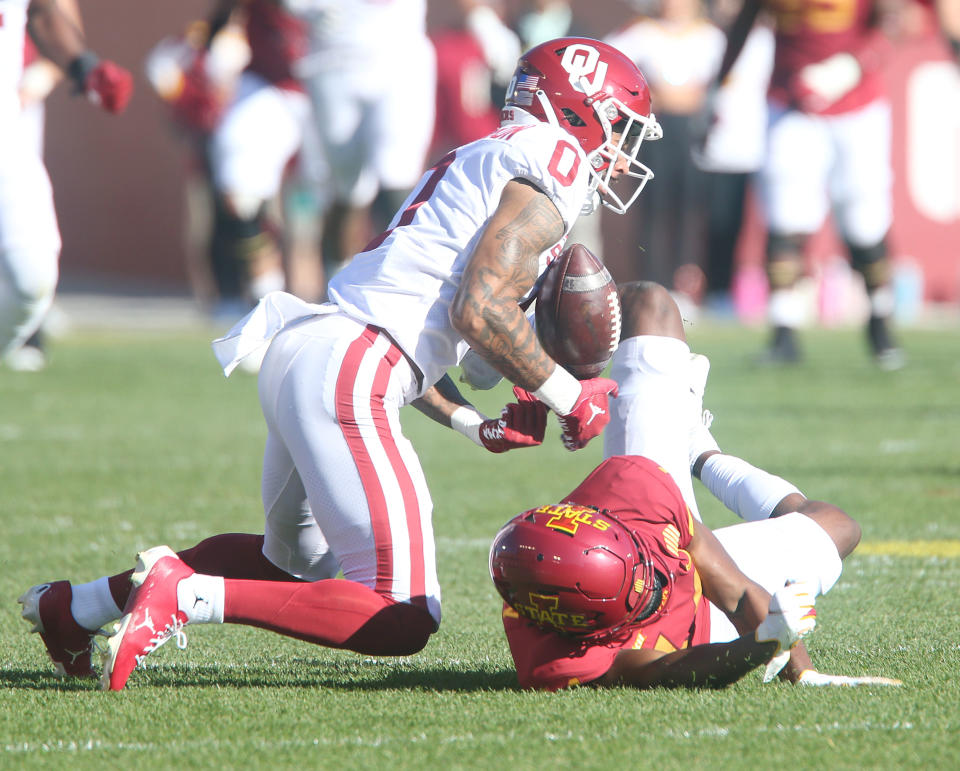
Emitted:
<point x="572" y="118"/>
<point x="656" y="597"/>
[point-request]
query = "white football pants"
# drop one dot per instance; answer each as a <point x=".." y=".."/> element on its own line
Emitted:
<point x="773" y="551"/>
<point x="654" y="412"/>
<point x="818" y="162"/>
<point x="29" y="245"/>
<point x="376" y="127"/>
<point x="342" y="487"/>
<point x="262" y="130"/>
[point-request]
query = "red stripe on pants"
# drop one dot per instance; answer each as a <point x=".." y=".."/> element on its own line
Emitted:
<point x="346" y="397"/>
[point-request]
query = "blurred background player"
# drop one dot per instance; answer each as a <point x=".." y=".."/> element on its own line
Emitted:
<point x="679" y="49"/>
<point x="196" y="76"/>
<point x="476" y="54"/>
<point x="265" y="126"/>
<point x="40" y="76"/>
<point x="370" y="71"/>
<point x="29" y="235"/>
<point x="542" y="20"/>
<point x="828" y="148"/>
<point x="667" y="634"/>
<point x="948" y="13"/>
<point x="733" y="125"/>
<point x="253" y="129"/>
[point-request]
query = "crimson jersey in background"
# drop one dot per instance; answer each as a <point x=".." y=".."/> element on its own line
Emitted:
<point x="645" y="498"/>
<point x="809" y="31"/>
<point x="277" y="40"/>
<point x="465" y="110"/>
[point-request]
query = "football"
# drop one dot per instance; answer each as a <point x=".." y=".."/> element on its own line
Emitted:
<point x="578" y="312"/>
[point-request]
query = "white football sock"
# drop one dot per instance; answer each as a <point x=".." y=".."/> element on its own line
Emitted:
<point x="749" y="492"/>
<point x="786" y="308"/>
<point x="93" y="605"/>
<point x="200" y="597"/>
<point x="267" y="282"/>
<point x="882" y="302"/>
<point x="654" y="414"/>
<point x="701" y="440"/>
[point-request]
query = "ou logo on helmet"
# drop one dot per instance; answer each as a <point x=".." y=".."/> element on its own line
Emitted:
<point x="581" y="61"/>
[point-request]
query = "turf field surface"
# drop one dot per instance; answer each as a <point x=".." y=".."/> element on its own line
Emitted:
<point x="129" y="440"/>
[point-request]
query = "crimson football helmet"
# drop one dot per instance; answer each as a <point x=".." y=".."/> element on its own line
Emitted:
<point x="575" y="570"/>
<point x="600" y="97"/>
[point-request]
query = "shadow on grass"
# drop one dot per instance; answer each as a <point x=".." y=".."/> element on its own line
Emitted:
<point x="297" y="673"/>
<point x="44" y="680"/>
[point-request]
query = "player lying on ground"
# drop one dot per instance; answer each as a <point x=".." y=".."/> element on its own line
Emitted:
<point x="652" y="597"/>
<point x="342" y="488"/>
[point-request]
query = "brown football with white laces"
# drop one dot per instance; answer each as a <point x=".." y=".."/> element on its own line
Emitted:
<point x="578" y="312"/>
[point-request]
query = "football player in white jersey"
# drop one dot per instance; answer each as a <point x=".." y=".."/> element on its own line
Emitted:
<point x="29" y="236"/>
<point x="343" y="489"/>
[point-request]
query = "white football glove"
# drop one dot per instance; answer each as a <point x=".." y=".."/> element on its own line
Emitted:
<point x="791" y="616"/>
<point x="812" y="677"/>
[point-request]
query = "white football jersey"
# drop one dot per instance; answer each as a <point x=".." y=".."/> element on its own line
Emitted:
<point x="406" y="280"/>
<point x="360" y="38"/>
<point x="13" y="22"/>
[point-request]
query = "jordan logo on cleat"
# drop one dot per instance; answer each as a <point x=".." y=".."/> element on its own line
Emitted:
<point x="147" y="622"/>
<point x="74" y="655"/>
<point x="198" y="599"/>
<point x="595" y="411"/>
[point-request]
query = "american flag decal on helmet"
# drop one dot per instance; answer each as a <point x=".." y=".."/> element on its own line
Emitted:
<point x="524" y="89"/>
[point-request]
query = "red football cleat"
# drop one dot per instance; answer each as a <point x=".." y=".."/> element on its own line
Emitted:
<point x="152" y="616"/>
<point x="47" y="607"/>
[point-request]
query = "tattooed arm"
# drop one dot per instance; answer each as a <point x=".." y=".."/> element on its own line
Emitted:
<point x="501" y="270"/>
<point x="440" y="401"/>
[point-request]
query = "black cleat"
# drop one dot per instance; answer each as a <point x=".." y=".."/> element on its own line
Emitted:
<point x="783" y="349"/>
<point x="886" y="353"/>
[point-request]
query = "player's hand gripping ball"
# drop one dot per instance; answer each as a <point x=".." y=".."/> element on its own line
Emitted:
<point x="578" y="313"/>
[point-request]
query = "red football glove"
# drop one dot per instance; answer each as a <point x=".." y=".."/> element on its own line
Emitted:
<point x="590" y="413"/>
<point x="109" y="85"/>
<point x="520" y="425"/>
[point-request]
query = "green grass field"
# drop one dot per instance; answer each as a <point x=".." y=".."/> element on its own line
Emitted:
<point x="129" y="440"/>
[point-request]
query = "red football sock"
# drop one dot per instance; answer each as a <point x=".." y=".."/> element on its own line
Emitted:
<point x="336" y="613"/>
<point x="232" y="555"/>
